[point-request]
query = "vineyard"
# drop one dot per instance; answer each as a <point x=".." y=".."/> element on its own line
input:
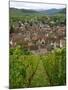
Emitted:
<point x="28" y="70"/>
<point x="37" y="56"/>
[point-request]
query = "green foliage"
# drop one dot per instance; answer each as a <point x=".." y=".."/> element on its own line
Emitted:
<point x="55" y="67"/>
<point x="18" y="50"/>
<point x="27" y="70"/>
<point x="57" y="19"/>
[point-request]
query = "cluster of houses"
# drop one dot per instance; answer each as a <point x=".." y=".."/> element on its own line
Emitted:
<point x="38" y="38"/>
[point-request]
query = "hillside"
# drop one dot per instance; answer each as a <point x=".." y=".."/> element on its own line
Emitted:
<point x="54" y="11"/>
<point x="20" y="12"/>
<point x="37" y="70"/>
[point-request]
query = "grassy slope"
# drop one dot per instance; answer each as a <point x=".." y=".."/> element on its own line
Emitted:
<point x="35" y="70"/>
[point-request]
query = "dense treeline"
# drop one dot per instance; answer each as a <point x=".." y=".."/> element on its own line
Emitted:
<point x="57" y="19"/>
